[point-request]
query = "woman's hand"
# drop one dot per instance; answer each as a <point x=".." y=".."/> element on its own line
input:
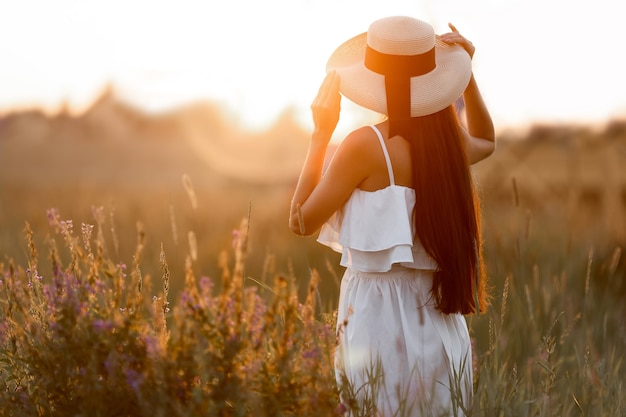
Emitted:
<point x="326" y="108"/>
<point x="455" y="38"/>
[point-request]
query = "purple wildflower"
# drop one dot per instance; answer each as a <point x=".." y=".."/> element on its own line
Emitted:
<point x="152" y="345"/>
<point x="310" y="354"/>
<point x="133" y="379"/>
<point x="101" y="326"/>
<point x="206" y="283"/>
<point x="67" y="227"/>
<point x="121" y="267"/>
<point x="4" y="332"/>
<point x="341" y="409"/>
<point x="86" y="230"/>
<point x="54" y="219"/>
<point x="109" y="364"/>
<point x="185" y="298"/>
<point x="236" y="238"/>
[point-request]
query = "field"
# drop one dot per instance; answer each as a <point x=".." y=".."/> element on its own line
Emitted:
<point x="148" y="270"/>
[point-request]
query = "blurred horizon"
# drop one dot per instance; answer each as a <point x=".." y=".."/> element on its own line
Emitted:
<point x="352" y="116"/>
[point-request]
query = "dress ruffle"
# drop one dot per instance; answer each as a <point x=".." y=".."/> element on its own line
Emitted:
<point x="373" y="231"/>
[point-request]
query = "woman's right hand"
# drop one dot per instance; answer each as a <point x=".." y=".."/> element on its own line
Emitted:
<point x="326" y="108"/>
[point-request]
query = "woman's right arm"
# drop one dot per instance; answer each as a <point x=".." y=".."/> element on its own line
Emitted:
<point x="325" y="108"/>
<point x="317" y="197"/>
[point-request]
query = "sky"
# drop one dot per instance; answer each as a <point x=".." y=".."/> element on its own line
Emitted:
<point x="536" y="61"/>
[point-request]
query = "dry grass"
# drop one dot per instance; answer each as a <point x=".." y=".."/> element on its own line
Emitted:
<point x="552" y="343"/>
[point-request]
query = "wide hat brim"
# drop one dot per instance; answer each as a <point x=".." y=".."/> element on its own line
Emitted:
<point x="430" y="93"/>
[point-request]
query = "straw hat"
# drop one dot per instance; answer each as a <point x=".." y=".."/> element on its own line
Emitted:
<point x="394" y="52"/>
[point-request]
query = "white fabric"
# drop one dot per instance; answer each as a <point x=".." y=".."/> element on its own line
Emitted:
<point x="386" y="301"/>
<point x="374" y="229"/>
<point x="391" y="317"/>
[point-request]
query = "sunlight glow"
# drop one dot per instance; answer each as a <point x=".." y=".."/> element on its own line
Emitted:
<point x="535" y="60"/>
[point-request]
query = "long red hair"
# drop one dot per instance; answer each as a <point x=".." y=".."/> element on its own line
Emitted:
<point x="447" y="212"/>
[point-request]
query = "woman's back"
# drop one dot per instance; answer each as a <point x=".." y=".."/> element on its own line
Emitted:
<point x="375" y="229"/>
<point x="399" y="152"/>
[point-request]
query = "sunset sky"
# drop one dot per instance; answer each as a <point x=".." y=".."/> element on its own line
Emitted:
<point x="536" y="60"/>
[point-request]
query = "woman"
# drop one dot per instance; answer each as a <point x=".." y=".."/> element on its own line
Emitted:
<point x="398" y="202"/>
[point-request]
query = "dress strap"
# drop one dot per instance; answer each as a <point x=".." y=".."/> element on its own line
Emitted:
<point x="382" y="144"/>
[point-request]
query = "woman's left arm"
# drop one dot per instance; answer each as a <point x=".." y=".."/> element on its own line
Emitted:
<point x="480" y="134"/>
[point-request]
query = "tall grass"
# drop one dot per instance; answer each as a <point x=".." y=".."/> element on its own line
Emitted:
<point x="95" y="336"/>
<point x="553" y="342"/>
<point x="91" y="339"/>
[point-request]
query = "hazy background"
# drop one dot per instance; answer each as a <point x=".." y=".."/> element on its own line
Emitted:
<point x="556" y="60"/>
<point x="111" y="104"/>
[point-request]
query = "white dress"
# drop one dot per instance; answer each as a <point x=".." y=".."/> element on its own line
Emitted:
<point x="391" y="318"/>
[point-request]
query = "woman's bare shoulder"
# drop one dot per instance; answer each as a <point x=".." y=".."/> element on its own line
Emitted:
<point x="359" y="143"/>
